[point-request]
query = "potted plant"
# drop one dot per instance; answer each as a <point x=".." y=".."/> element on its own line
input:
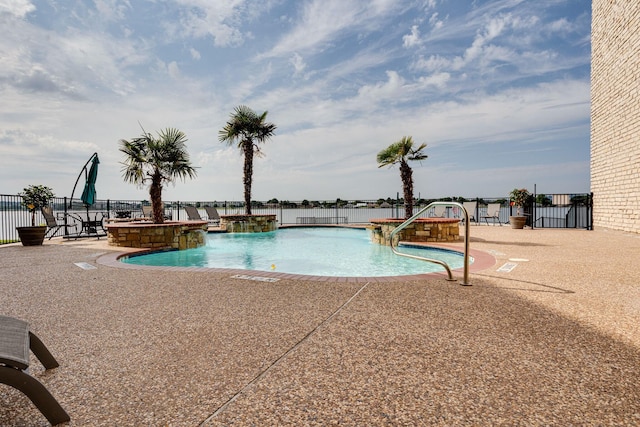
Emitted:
<point x="34" y="198"/>
<point x="518" y="198"/>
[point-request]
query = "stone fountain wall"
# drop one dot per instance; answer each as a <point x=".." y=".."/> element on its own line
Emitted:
<point x="421" y="230"/>
<point x="248" y="223"/>
<point x="175" y="234"/>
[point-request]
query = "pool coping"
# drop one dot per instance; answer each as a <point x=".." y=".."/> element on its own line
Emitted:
<point x="482" y="261"/>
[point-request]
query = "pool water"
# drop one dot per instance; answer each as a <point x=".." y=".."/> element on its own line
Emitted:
<point x="321" y="251"/>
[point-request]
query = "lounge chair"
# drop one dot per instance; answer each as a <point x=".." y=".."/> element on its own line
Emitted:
<point x="52" y="223"/>
<point x="147" y="213"/>
<point x="212" y="215"/>
<point x="192" y="213"/>
<point x="470" y="207"/>
<point x="493" y="212"/>
<point x="15" y="342"/>
<point x="438" y="211"/>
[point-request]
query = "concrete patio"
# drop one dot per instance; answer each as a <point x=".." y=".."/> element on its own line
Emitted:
<point x="553" y="340"/>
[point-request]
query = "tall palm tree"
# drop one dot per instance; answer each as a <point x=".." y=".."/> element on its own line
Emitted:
<point x="156" y="161"/>
<point x="402" y="152"/>
<point x="246" y="128"/>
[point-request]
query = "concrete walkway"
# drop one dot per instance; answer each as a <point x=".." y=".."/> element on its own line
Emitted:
<point x="553" y="340"/>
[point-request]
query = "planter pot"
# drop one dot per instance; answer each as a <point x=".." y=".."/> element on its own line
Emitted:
<point x="517" y="221"/>
<point x="32" y="236"/>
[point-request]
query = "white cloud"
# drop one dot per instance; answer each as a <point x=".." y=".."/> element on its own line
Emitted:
<point x="438" y="80"/>
<point x="112" y="10"/>
<point x="173" y="70"/>
<point x="322" y="21"/>
<point x="298" y="64"/>
<point x="433" y="63"/>
<point x="195" y="54"/>
<point x="412" y="39"/>
<point x="435" y="22"/>
<point x="18" y="8"/>
<point x="374" y="94"/>
<point x="219" y="20"/>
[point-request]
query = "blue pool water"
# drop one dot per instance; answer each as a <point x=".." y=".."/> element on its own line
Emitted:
<point x="321" y="251"/>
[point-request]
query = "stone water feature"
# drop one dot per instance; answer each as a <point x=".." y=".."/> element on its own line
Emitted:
<point x="248" y="223"/>
<point x="421" y="230"/>
<point x="170" y="234"/>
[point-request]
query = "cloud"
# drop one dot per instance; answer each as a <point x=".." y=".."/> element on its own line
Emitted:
<point x="173" y="70"/>
<point x="412" y="39"/>
<point x="322" y="22"/>
<point x="38" y="80"/>
<point x="298" y="64"/>
<point x="112" y="10"/>
<point x="438" y="80"/>
<point x="195" y="54"/>
<point x="18" y="8"/>
<point x="223" y="21"/>
<point x="374" y="94"/>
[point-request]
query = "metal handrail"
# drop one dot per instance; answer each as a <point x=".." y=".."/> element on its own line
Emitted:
<point x="465" y="281"/>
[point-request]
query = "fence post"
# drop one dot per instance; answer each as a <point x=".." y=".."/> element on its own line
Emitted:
<point x="66" y="223"/>
<point x="590" y="211"/>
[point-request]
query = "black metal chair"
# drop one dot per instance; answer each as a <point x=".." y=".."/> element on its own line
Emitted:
<point x="15" y="342"/>
<point x="53" y="225"/>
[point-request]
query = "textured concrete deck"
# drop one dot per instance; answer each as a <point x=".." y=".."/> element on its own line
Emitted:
<point x="555" y="341"/>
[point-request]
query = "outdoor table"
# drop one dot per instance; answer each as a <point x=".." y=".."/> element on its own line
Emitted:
<point x="123" y="214"/>
<point x="90" y="226"/>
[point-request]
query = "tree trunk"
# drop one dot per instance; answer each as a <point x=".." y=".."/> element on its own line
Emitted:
<point x="248" y="174"/>
<point x="155" y="192"/>
<point x="407" y="185"/>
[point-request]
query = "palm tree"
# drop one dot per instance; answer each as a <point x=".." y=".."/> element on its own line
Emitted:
<point x="246" y="129"/>
<point x="157" y="161"/>
<point x="402" y="152"/>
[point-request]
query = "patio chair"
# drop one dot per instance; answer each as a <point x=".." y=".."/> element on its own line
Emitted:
<point x="438" y="211"/>
<point x="470" y="207"/>
<point x="493" y="212"/>
<point x="15" y="342"/>
<point x="52" y="223"/>
<point x="147" y="213"/>
<point x="212" y="215"/>
<point x="192" y="213"/>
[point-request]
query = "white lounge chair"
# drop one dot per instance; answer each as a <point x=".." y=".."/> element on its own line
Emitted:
<point x="470" y="207"/>
<point x="493" y="212"/>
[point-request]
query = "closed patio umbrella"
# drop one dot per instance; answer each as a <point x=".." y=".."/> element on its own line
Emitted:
<point x="89" y="193"/>
<point x="91" y="175"/>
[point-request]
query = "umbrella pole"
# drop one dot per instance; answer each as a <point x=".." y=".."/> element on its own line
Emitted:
<point x="84" y="168"/>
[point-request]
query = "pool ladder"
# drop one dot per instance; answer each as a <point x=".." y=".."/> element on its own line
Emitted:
<point x="465" y="280"/>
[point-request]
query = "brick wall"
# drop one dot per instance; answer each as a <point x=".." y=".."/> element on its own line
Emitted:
<point x="615" y="114"/>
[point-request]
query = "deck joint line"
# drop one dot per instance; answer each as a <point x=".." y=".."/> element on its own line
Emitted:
<point x="282" y="357"/>
<point x="255" y="278"/>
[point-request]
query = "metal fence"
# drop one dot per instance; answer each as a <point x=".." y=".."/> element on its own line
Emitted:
<point x="543" y="211"/>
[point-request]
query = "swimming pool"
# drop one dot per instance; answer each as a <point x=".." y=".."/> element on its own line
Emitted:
<point x="319" y="251"/>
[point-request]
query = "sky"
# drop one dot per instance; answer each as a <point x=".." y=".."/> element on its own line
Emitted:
<point x="497" y="89"/>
